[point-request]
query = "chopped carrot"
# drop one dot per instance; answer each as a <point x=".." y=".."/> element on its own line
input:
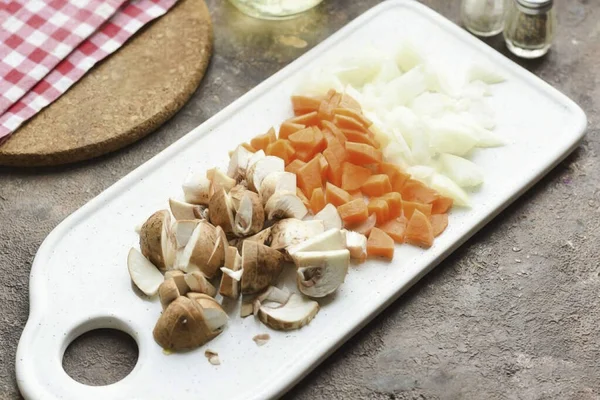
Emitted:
<point x="349" y="102"/>
<point x="394" y="200"/>
<point x="397" y="176"/>
<point x="358" y="116"/>
<point x="304" y="139"/>
<point x="309" y="177"/>
<point x="346" y="122"/>
<point x="324" y="166"/>
<point x="376" y="185"/>
<point x="283" y="149"/>
<point x="380" y="208"/>
<point x="439" y="223"/>
<point x="295" y="166"/>
<point x="353" y="212"/>
<point x="317" y="200"/>
<point x="330" y="126"/>
<point x="305" y="155"/>
<point x="287" y="128"/>
<point x="380" y="244"/>
<point x="261" y="142"/>
<point x="310" y="119"/>
<point x="304" y="104"/>
<point x="336" y="195"/>
<point x="441" y="205"/>
<point x="334" y="170"/>
<point x="413" y="190"/>
<point x="419" y="230"/>
<point x="359" y="137"/>
<point x="364" y="228"/>
<point x="353" y="176"/>
<point x="248" y="147"/>
<point x="408" y="208"/>
<point x="320" y="143"/>
<point x="357" y="195"/>
<point x="360" y="153"/>
<point x="330" y="103"/>
<point x="395" y="228"/>
<point x="302" y="197"/>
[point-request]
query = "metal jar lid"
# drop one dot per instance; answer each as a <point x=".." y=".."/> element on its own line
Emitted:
<point x="535" y="6"/>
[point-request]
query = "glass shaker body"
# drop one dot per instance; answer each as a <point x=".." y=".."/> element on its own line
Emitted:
<point x="483" y="17"/>
<point x="274" y="9"/>
<point x="528" y="31"/>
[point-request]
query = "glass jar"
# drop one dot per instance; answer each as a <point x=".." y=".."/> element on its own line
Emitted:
<point x="530" y="26"/>
<point x="274" y="9"/>
<point x="483" y="17"/>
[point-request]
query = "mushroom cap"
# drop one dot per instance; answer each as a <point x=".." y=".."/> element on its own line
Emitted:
<point x="285" y="205"/>
<point x="238" y="163"/>
<point x="221" y="210"/>
<point x="296" y="313"/>
<point x="198" y="250"/>
<point x="277" y="181"/>
<point x="198" y="283"/>
<point x="321" y="272"/>
<point x="185" y="211"/>
<point x="157" y="241"/>
<point x="250" y="216"/>
<point x="261" y="168"/>
<point x="290" y="231"/>
<point x="168" y="292"/>
<point x="262" y="266"/>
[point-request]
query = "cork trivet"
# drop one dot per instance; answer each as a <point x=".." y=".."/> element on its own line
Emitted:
<point x="125" y="97"/>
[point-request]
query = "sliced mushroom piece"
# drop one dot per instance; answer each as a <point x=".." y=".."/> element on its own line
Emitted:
<point x="157" y="241"/>
<point x="292" y="231"/>
<point x="261" y="237"/>
<point x="277" y="181"/>
<point x="198" y="283"/>
<point x="262" y="266"/>
<point x="168" y="292"/>
<point x="236" y="195"/>
<point x="198" y="250"/>
<point x="230" y="286"/>
<point x="186" y="324"/>
<point x="260" y="169"/>
<point x="183" y="230"/>
<point x="196" y="189"/>
<point x="259" y="155"/>
<point x="221" y="210"/>
<point x="238" y="163"/>
<point x="285" y="205"/>
<point x="246" y="310"/>
<point x="296" y="313"/>
<point x="356" y="243"/>
<point x="332" y="239"/>
<point x="143" y="273"/>
<point x="186" y="211"/>
<point x="220" y="180"/>
<point x="330" y="217"/>
<point x="212" y="357"/>
<point x="179" y="278"/>
<point x="217" y="257"/>
<point x="321" y="272"/>
<point x="261" y="339"/>
<point x="271" y="297"/>
<point x="250" y="216"/>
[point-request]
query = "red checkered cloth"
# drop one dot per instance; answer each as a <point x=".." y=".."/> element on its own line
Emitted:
<point x="107" y="39"/>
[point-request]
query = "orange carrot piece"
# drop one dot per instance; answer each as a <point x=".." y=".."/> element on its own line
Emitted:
<point x="359" y="137"/>
<point x="334" y="170"/>
<point x="283" y="149"/>
<point x="330" y="126"/>
<point x="413" y="190"/>
<point x="305" y="155"/>
<point x="364" y="228"/>
<point x="358" y="116"/>
<point x="346" y="122"/>
<point x="439" y="223"/>
<point x="394" y="200"/>
<point x="353" y="176"/>
<point x="419" y="230"/>
<point x="324" y="166"/>
<point x="330" y="103"/>
<point x="409" y="207"/>
<point x="441" y="205"/>
<point x="248" y="147"/>
<point x="304" y="139"/>
<point x="261" y="142"/>
<point x="395" y="228"/>
<point x="353" y="212"/>
<point x="380" y="208"/>
<point x="302" y="197"/>
<point x="287" y="128"/>
<point x="295" y="166"/>
<point x="377" y="185"/>
<point x="317" y="200"/>
<point x="348" y="101"/>
<point x="309" y="177"/>
<point x="380" y="244"/>
<point x="310" y="119"/>
<point x="357" y="195"/>
<point x="336" y="195"/>
<point x="360" y="153"/>
<point x="304" y="104"/>
<point x="397" y="176"/>
<point x="320" y="144"/>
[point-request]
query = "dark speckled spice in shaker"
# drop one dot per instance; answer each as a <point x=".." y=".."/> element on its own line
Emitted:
<point x="529" y="29"/>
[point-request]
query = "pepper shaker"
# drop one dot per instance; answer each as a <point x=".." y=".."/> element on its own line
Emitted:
<point x="483" y="17"/>
<point x="529" y="28"/>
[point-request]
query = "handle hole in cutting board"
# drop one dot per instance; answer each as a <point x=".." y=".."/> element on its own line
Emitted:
<point x="100" y="357"/>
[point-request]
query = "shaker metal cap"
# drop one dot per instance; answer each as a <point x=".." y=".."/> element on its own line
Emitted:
<point x="535" y="6"/>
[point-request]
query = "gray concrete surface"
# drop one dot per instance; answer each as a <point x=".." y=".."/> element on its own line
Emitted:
<point x="513" y="314"/>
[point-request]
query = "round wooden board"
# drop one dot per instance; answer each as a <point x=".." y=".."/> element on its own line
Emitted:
<point x="125" y="97"/>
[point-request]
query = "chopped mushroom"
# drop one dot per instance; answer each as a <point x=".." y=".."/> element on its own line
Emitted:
<point x="230" y="287"/>
<point x="321" y="272"/>
<point x="272" y="297"/>
<point x="198" y="250"/>
<point x="186" y="211"/>
<point x="285" y="205"/>
<point x="220" y="180"/>
<point x="179" y="278"/>
<point x="221" y="210"/>
<point x="250" y="216"/>
<point x="212" y="357"/>
<point x="196" y="189"/>
<point x="278" y="181"/>
<point x="183" y="230"/>
<point x="168" y="292"/>
<point x="261" y="339"/>
<point x="356" y="243"/>
<point x="262" y="266"/>
<point x="198" y="283"/>
<point x="297" y="312"/>
<point x="332" y="239"/>
<point x="143" y="273"/>
<point x="238" y="163"/>
<point x="260" y="169"/>
<point x="157" y="241"/>
<point x="236" y="195"/>
<point x="292" y="231"/>
<point x="330" y="217"/>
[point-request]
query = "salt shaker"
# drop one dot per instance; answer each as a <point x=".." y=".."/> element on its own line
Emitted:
<point x="530" y="26"/>
<point x="483" y="17"/>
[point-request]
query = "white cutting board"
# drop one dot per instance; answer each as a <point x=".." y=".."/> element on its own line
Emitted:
<point x="79" y="280"/>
